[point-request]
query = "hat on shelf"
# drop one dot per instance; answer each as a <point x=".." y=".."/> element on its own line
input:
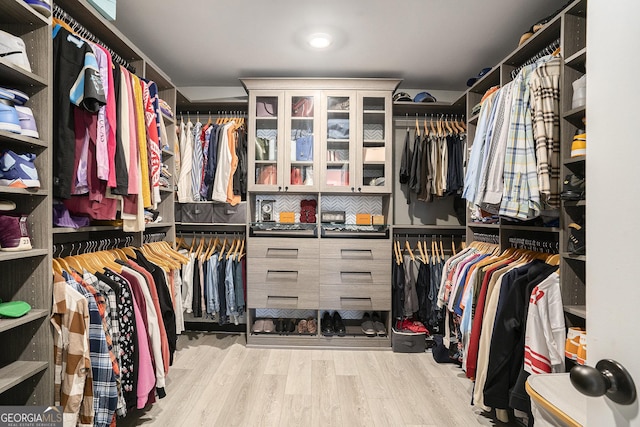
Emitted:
<point x="401" y="96"/>
<point x="482" y="72"/>
<point x="424" y="97"/>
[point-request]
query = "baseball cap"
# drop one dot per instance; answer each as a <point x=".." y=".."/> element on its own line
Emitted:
<point x="424" y="97"/>
<point x="401" y="96"/>
<point x="482" y="72"/>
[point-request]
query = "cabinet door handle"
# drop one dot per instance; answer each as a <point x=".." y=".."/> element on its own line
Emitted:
<point x="356" y="277"/>
<point x="359" y="188"/>
<point x="282" y="253"/>
<point x="355" y="303"/>
<point x="277" y="276"/>
<point x="281" y="301"/>
<point x="608" y="378"/>
<point x="279" y="187"/>
<point x="356" y="253"/>
<point x="286" y="188"/>
<point x="353" y="189"/>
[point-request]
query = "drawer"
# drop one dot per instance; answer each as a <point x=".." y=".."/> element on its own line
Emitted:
<point x="341" y="272"/>
<point x="365" y="250"/>
<point x="355" y="297"/>
<point x="290" y="272"/>
<point x="282" y="248"/>
<point x="285" y="296"/>
<point x="196" y="212"/>
<point x="225" y="213"/>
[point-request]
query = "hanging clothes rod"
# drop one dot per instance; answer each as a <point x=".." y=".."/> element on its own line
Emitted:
<point x="75" y="248"/>
<point x="546" y="246"/>
<point x="486" y="238"/>
<point x="80" y="30"/>
<point x="551" y="47"/>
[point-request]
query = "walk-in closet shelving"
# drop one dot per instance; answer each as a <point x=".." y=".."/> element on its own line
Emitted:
<point x="26" y="374"/>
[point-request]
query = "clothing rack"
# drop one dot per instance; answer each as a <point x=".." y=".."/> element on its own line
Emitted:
<point x="486" y="238"/>
<point x="213" y="115"/>
<point x="544" y="52"/>
<point x="86" y="246"/>
<point x="550" y="247"/>
<point x="153" y="237"/>
<point x="80" y="30"/>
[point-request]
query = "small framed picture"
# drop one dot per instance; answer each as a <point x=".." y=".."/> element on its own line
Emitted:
<point x="267" y="213"/>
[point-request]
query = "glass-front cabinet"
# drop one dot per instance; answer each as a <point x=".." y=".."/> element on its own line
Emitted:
<point x="285" y="133"/>
<point x="374" y="148"/>
<point x="339" y="141"/>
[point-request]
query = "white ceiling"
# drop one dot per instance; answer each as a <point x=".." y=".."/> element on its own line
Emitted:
<point x="431" y="44"/>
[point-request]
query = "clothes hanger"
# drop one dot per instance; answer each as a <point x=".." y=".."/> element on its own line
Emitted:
<point x="57" y="268"/>
<point x="407" y="246"/>
<point x="396" y="252"/>
<point x="431" y="125"/>
<point x="453" y="245"/>
<point x="224" y="245"/>
<point x="424" y="125"/>
<point x="422" y="256"/>
<point x="417" y="126"/>
<point x="441" y="248"/>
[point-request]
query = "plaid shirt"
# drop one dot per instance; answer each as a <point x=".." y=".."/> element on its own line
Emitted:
<point x="112" y="322"/>
<point x="72" y="372"/>
<point x="545" y="109"/>
<point x="521" y="197"/>
<point x="105" y="394"/>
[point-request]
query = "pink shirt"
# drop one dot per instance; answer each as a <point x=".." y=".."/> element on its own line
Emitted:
<point x="110" y="122"/>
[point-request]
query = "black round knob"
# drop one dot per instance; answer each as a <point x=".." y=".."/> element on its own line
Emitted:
<point x="279" y="188"/>
<point x="359" y="188"/>
<point x="608" y="378"/>
<point x="353" y="189"/>
<point x="286" y="188"/>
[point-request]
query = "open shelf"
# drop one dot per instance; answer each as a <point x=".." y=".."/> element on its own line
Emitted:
<point x="492" y="78"/>
<point x="578" y="60"/>
<point x="576" y="310"/>
<point x="473" y="120"/>
<point x="575" y="160"/>
<point x="10" y="256"/>
<point x="96" y="228"/>
<point x="26" y="141"/>
<point x="27" y="191"/>
<point x="530" y="228"/>
<point x="17" y="372"/>
<point x="575" y="116"/>
<point x="158" y="225"/>
<point x="575" y="203"/>
<point x="401" y="108"/>
<point x="481" y="225"/>
<point x="8" y="324"/>
<point x="567" y="255"/>
<point x="16" y="12"/>
<point x="541" y="39"/>
<point x="13" y="75"/>
<point x="167" y="153"/>
<point x="168" y="119"/>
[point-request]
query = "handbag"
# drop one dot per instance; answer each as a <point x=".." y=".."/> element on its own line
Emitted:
<point x="304" y="148"/>
<point x="262" y="149"/>
<point x="266" y="107"/>
<point x="302" y="108"/>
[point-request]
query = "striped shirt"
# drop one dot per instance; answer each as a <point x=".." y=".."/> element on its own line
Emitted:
<point x="198" y="157"/>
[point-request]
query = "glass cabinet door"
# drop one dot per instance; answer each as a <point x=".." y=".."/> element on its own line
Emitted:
<point x="339" y="146"/>
<point x="374" y="145"/>
<point x="301" y="164"/>
<point x="266" y="142"/>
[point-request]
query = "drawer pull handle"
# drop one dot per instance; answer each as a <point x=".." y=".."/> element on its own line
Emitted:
<point x="355" y="303"/>
<point x="356" y="253"/>
<point x="282" y="276"/>
<point x="280" y="301"/>
<point x="356" y="277"/>
<point x="282" y="253"/>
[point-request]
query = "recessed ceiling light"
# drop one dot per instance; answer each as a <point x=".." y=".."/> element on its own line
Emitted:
<point x="320" y="40"/>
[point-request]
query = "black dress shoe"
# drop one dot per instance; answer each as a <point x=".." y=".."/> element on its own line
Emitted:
<point x="338" y="325"/>
<point x="280" y="326"/>
<point x="291" y="325"/>
<point x="327" y="325"/>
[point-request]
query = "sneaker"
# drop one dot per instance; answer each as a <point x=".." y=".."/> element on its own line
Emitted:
<point x="19" y="97"/>
<point x="579" y="98"/>
<point x="577" y="239"/>
<point x="572" y="343"/>
<point x="581" y="356"/>
<point x="573" y="187"/>
<point x="579" y="145"/>
<point x="9" y="119"/>
<point x="367" y="326"/>
<point x="381" y="331"/>
<point x="7" y="205"/>
<point x="18" y="170"/>
<point x="42" y="6"/>
<point x="13" y="50"/>
<point x="27" y="122"/>
<point x="14" y="233"/>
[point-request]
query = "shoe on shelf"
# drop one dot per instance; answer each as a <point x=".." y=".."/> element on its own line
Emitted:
<point x="581" y="356"/>
<point x="14" y="233"/>
<point x="302" y="327"/>
<point x="18" y="170"/>
<point x="338" y="325"/>
<point x="258" y="326"/>
<point x="577" y="244"/>
<point x="367" y="326"/>
<point x="9" y="119"/>
<point x="327" y="325"/>
<point x="572" y="343"/>
<point x="19" y="97"/>
<point x="381" y="331"/>
<point x="13" y="50"/>
<point x="280" y="325"/>
<point x="290" y="326"/>
<point x="27" y="122"/>
<point x="312" y="326"/>
<point x="573" y="187"/>
<point x="579" y="145"/>
<point x="408" y="325"/>
<point x="41" y="6"/>
<point x="7" y="205"/>
<point x="268" y="326"/>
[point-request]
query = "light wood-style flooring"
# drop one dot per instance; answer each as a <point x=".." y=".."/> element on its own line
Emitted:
<point x="217" y="381"/>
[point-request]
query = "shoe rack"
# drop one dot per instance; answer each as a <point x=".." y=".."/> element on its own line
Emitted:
<point x="572" y="267"/>
<point x="26" y="374"/>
